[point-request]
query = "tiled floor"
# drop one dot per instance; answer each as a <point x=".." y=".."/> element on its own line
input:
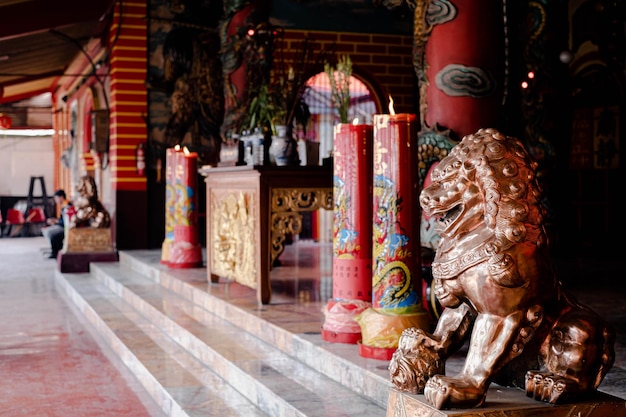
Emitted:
<point x="52" y="366"/>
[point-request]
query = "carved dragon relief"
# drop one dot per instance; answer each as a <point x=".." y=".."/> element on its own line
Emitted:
<point x="494" y="278"/>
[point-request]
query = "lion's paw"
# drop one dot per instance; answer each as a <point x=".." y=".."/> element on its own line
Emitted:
<point x="545" y="386"/>
<point x="415" y="361"/>
<point x="448" y="392"/>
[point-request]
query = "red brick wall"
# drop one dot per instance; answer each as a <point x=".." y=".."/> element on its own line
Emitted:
<point x="384" y="61"/>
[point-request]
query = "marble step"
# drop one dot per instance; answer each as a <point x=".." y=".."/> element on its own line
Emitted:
<point x="274" y="381"/>
<point x="295" y="330"/>
<point x="175" y="381"/>
<point x="219" y="341"/>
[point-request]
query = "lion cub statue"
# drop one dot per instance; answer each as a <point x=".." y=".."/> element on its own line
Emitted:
<point x="494" y="278"/>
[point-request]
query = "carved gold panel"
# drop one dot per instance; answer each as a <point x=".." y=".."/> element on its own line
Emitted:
<point x="232" y="217"/>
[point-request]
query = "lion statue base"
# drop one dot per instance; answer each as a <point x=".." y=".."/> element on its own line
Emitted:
<point x="88" y="239"/>
<point x="493" y="276"/>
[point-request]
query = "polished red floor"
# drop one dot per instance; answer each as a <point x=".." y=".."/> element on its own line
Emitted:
<point x="49" y="364"/>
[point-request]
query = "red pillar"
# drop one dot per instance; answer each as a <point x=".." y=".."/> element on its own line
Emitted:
<point x="465" y="67"/>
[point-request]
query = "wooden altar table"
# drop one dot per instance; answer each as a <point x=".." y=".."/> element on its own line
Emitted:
<point x="251" y="210"/>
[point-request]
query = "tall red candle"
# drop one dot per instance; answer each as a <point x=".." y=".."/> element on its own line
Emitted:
<point x="352" y="232"/>
<point x="185" y="212"/>
<point x="170" y="201"/>
<point x="396" y="265"/>
<point x="396" y="214"/>
<point x="186" y="252"/>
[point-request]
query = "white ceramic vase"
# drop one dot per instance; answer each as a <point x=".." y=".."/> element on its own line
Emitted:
<point x="279" y="147"/>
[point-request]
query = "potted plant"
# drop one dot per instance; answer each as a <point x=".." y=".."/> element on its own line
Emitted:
<point x="339" y="79"/>
<point x="263" y="110"/>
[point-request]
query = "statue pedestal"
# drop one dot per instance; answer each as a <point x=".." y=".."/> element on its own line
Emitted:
<point x="88" y="239"/>
<point x="79" y="261"/>
<point x="512" y="402"/>
<point x="84" y="245"/>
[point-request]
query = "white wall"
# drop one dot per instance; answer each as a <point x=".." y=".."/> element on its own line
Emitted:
<point x="22" y="157"/>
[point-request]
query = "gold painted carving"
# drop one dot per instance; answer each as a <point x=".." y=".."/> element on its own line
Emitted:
<point x="232" y="237"/>
<point x="88" y="239"/>
<point x="285" y="219"/>
<point x="301" y="199"/>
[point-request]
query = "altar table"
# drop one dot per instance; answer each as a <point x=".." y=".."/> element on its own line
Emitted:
<point x="250" y="212"/>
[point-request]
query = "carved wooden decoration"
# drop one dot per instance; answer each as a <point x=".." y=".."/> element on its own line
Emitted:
<point x="233" y="220"/>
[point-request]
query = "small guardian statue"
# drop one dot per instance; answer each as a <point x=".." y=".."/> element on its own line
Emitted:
<point x="89" y="226"/>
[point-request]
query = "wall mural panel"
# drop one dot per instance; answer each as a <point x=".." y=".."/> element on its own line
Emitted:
<point x="185" y="78"/>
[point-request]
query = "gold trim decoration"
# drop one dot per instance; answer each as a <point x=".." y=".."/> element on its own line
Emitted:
<point x="301" y="199"/>
<point x="285" y="219"/>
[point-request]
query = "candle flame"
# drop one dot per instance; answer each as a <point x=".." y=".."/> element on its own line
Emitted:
<point x="177" y="148"/>
<point x="355" y="121"/>
<point x="391" y="110"/>
<point x="186" y="151"/>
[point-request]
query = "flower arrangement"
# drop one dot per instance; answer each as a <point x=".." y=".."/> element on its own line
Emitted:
<point x="339" y="78"/>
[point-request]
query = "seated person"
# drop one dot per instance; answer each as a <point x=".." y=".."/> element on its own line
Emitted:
<point x="55" y="229"/>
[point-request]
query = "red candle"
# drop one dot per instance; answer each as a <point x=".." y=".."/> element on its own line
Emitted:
<point x="170" y="201"/>
<point x="396" y="214"/>
<point x="185" y="187"/>
<point x="352" y="232"/>
<point x="352" y="222"/>
<point x="396" y="264"/>
<point x="185" y="252"/>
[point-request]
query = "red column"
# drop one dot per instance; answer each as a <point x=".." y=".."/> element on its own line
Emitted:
<point x="465" y="67"/>
<point x="352" y="233"/>
<point x="128" y="102"/>
<point x="460" y="56"/>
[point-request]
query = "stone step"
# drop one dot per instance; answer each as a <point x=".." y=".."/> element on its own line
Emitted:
<point x="178" y="383"/>
<point x="272" y="370"/>
<point x="293" y="330"/>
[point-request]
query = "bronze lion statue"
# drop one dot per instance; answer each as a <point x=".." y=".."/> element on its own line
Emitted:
<point x="89" y="210"/>
<point x="494" y="278"/>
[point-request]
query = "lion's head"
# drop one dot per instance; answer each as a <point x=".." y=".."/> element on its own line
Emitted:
<point x="487" y="199"/>
<point x="87" y="189"/>
<point x="89" y="210"/>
